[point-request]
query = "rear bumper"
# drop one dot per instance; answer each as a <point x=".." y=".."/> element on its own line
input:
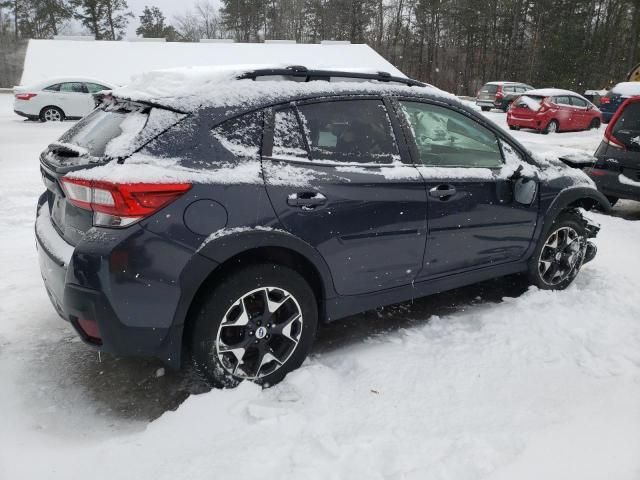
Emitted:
<point x="608" y="182"/>
<point x="112" y="317"/>
<point x="607" y="116"/>
<point x="523" y="122"/>
<point x="26" y="115"/>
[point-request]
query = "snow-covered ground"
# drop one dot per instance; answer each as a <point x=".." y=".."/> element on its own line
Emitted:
<point x="492" y="381"/>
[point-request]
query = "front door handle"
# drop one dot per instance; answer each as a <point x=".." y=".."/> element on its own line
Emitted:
<point x="306" y="200"/>
<point x="442" y="191"/>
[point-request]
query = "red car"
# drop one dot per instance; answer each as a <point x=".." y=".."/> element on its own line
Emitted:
<point x="553" y="110"/>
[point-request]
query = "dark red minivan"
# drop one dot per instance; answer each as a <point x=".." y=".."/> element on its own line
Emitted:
<point x="551" y="110"/>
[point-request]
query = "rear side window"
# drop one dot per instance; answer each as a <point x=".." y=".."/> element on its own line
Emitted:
<point x="445" y="138"/>
<point x="349" y="131"/>
<point x="627" y="129"/>
<point x="288" y="141"/>
<point x="53" y="88"/>
<point x="241" y="135"/>
<point x="489" y="89"/>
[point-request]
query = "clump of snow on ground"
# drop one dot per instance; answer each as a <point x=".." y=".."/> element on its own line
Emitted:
<point x="545" y="385"/>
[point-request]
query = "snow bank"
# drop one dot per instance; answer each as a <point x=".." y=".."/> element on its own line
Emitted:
<point x="117" y="62"/>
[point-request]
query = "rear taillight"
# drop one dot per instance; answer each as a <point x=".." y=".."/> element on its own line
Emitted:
<point x="120" y="204"/>
<point x="604" y="100"/>
<point x="25" y="96"/>
<point x="499" y="94"/>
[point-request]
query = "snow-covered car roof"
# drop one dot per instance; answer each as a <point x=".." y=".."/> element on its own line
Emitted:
<point x="189" y="89"/>
<point x="55" y="80"/>
<point x="627" y="89"/>
<point x="505" y="83"/>
<point x="553" y="92"/>
<point x="602" y="93"/>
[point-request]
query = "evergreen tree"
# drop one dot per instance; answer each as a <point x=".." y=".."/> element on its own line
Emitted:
<point x="152" y="24"/>
<point x="105" y="19"/>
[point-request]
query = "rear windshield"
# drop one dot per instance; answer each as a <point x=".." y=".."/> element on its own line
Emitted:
<point x="627" y="129"/>
<point x="532" y="102"/>
<point x="489" y="89"/>
<point x="118" y="130"/>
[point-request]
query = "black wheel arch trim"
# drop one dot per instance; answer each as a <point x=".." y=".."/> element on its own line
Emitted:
<point x="576" y="197"/>
<point x="228" y="246"/>
<point x="209" y="259"/>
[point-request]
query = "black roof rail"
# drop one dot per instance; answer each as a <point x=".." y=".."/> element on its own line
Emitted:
<point x="300" y="71"/>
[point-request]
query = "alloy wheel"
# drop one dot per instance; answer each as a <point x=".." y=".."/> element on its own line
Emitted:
<point x="552" y="127"/>
<point x="259" y="333"/>
<point x="52" y="115"/>
<point x="561" y="256"/>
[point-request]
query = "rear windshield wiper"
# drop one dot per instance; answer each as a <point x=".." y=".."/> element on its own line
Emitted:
<point x="68" y="149"/>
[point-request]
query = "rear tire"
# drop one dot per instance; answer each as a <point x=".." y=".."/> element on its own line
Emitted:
<point x="257" y="324"/>
<point x="552" y="127"/>
<point x="51" y="114"/>
<point x="560" y="253"/>
<point x="514" y="127"/>
<point x="485" y="109"/>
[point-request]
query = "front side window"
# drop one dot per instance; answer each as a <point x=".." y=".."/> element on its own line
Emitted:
<point x="445" y="138"/>
<point x="562" y="100"/>
<point x="95" y="87"/>
<point x="73" y="87"/>
<point x="578" y="102"/>
<point x="349" y="131"/>
<point x="627" y="129"/>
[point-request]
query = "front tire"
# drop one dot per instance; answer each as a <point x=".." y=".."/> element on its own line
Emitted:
<point x="514" y="127"/>
<point x="560" y="254"/>
<point x="257" y="324"/>
<point x="595" y="124"/>
<point x="51" y="114"/>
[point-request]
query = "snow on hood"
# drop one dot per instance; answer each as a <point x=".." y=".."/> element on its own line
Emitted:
<point x="187" y="89"/>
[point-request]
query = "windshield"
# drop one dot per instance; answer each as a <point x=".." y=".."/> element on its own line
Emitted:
<point x="489" y="89"/>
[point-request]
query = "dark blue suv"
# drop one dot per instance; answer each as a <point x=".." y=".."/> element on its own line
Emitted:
<point x="217" y="221"/>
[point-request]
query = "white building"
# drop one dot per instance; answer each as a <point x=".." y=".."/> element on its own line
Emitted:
<point x="116" y="62"/>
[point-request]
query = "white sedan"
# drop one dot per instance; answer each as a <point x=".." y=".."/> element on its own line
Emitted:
<point x="58" y="99"/>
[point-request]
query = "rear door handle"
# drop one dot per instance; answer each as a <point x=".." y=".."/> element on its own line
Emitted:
<point x="306" y="200"/>
<point x="442" y="191"/>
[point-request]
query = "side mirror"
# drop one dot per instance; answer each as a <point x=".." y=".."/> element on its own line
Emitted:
<point x="525" y="190"/>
